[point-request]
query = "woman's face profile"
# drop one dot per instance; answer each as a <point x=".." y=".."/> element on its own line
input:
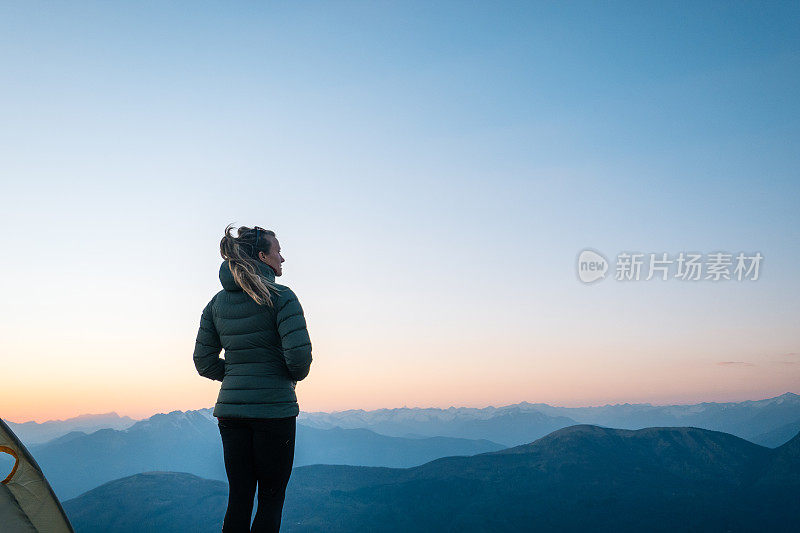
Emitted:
<point x="274" y="258"/>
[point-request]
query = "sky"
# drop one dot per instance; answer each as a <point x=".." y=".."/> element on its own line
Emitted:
<point x="431" y="170"/>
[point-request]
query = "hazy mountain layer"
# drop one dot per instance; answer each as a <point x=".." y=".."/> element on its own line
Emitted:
<point x="36" y="433"/>
<point x="769" y="422"/>
<point x="190" y="442"/>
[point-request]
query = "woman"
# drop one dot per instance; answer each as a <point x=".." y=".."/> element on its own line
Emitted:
<point x="262" y="329"/>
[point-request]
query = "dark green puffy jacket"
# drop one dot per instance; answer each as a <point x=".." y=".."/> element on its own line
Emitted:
<point x="267" y="349"/>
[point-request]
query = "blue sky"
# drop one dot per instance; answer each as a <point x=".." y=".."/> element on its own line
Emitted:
<point x="431" y="171"/>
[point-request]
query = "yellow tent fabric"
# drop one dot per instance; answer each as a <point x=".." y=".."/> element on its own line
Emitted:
<point x="27" y="502"/>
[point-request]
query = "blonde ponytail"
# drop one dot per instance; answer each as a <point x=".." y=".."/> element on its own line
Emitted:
<point x="242" y="255"/>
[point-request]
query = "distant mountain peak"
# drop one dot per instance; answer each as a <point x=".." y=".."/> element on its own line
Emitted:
<point x="788" y="396"/>
<point x="95" y="415"/>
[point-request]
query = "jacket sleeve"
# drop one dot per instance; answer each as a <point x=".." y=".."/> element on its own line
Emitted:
<point x="294" y="336"/>
<point x="207" y="348"/>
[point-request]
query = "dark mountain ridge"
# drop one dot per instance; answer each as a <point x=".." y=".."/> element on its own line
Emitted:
<point x="151" y="501"/>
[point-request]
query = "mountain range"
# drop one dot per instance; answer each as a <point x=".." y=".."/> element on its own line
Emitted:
<point x="578" y="478"/>
<point x="190" y="442"/>
<point x="769" y="422"/>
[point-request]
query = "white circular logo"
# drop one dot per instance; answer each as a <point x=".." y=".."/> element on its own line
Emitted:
<point x="592" y="266"/>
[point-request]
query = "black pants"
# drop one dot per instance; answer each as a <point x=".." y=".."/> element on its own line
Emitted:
<point x="257" y="451"/>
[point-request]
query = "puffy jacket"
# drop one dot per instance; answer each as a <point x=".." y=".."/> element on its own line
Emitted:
<point x="267" y="349"/>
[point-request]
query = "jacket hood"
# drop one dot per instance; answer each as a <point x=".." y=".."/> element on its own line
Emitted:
<point x="229" y="284"/>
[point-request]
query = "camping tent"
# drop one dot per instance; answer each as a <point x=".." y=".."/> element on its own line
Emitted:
<point x="27" y="502"/>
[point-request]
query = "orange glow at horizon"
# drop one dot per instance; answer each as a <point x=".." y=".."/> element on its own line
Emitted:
<point x="431" y="377"/>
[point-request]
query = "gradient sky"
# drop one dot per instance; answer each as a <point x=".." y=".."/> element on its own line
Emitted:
<point x="431" y="170"/>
